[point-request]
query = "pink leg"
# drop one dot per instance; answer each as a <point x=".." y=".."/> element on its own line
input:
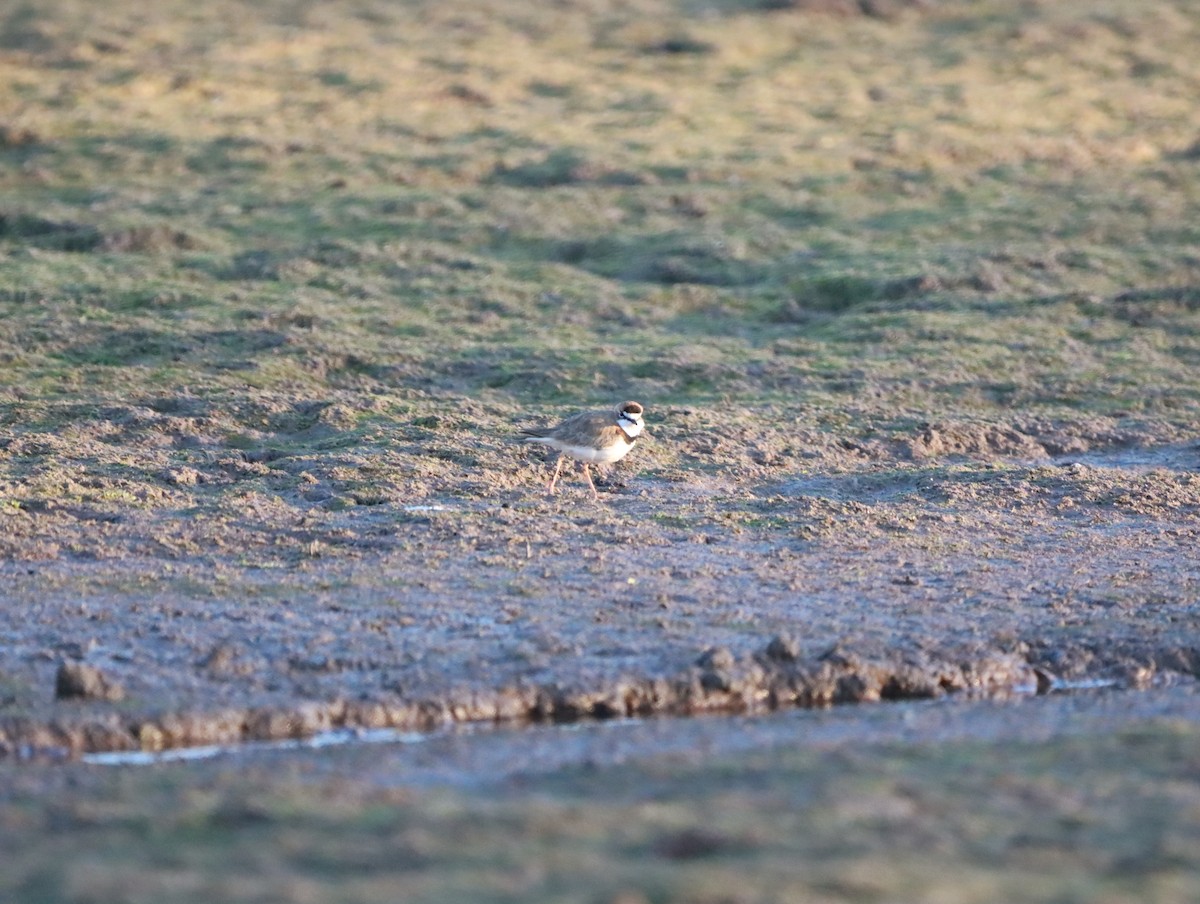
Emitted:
<point x="554" y="479"/>
<point x="588" y="474"/>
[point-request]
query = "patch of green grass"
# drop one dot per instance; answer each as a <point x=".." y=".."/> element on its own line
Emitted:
<point x="835" y="293"/>
<point x="981" y="212"/>
<point x="1112" y="817"/>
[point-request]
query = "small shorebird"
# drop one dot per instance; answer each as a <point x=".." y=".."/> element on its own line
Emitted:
<point x="599" y="437"/>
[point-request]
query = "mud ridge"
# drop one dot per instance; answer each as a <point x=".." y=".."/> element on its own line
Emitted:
<point x="718" y="682"/>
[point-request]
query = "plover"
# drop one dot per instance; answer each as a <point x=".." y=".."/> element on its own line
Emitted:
<point x="591" y="437"/>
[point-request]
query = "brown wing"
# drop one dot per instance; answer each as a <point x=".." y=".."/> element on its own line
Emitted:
<point x="585" y="428"/>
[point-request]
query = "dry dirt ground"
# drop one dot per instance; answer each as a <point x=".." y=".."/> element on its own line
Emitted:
<point x="886" y="578"/>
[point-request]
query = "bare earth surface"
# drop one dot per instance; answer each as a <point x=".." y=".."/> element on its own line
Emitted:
<point x="884" y="579"/>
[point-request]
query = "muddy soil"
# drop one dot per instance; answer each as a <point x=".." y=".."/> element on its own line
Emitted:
<point x="943" y="568"/>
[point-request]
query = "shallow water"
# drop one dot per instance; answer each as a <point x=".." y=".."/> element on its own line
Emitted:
<point x="335" y="738"/>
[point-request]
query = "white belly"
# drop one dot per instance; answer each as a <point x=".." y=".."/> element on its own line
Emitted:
<point x="615" y="452"/>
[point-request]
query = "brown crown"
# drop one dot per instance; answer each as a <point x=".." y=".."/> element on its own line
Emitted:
<point x="631" y="408"/>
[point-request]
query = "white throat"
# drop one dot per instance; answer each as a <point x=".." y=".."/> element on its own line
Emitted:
<point x="632" y="428"/>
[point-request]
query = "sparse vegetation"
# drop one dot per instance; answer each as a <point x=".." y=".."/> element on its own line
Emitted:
<point x="281" y="279"/>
